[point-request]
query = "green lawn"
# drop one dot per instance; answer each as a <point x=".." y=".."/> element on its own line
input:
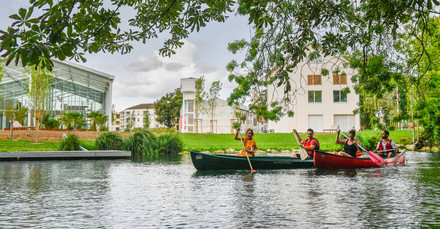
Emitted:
<point x="212" y="142"/>
<point x="22" y="145"/>
<point x="280" y="141"/>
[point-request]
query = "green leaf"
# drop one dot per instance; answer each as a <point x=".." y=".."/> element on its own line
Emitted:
<point x="22" y="13"/>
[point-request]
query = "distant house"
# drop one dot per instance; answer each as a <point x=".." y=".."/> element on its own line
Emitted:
<point x="133" y="117"/>
<point x="223" y="119"/>
<point x="318" y="101"/>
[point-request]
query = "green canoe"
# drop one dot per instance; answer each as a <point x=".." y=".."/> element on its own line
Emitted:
<point x="206" y="161"/>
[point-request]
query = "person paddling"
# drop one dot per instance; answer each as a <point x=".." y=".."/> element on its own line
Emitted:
<point x="249" y="143"/>
<point x="310" y="144"/>
<point x="386" y="147"/>
<point x="350" y="145"/>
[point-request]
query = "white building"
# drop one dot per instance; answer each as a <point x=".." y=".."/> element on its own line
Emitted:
<point x="318" y="101"/>
<point x="133" y="117"/>
<point x="223" y="119"/>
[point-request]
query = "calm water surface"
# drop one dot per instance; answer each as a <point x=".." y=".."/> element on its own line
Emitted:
<point x="172" y="194"/>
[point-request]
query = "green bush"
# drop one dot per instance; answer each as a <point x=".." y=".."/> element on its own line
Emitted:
<point x="70" y="143"/>
<point x="145" y="142"/>
<point x="368" y="142"/>
<point x="391" y="128"/>
<point x="89" y="144"/>
<point x="109" y="141"/>
<point x="169" y="143"/>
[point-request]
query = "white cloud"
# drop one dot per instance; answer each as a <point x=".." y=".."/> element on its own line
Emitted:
<point x="144" y="64"/>
<point x="153" y="76"/>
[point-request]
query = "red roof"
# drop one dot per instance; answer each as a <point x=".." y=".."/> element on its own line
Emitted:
<point x="142" y="106"/>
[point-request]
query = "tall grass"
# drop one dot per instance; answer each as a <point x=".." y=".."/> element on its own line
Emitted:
<point x="70" y="143"/>
<point x="144" y="143"/>
<point x="109" y="141"/>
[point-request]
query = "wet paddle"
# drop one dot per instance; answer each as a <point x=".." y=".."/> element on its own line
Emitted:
<point x="302" y="152"/>
<point x="376" y="158"/>
<point x="247" y="156"/>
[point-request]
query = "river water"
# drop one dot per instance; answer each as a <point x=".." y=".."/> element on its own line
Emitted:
<point x="170" y="193"/>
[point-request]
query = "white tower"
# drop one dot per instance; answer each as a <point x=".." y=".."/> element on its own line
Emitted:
<point x="188" y="89"/>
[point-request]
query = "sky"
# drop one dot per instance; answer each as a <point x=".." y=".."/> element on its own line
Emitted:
<point x="144" y="76"/>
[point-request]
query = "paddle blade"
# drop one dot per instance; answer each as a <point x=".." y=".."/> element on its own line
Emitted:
<point x="376" y="158"/>
<point x="303" y="154"/>
<point x="253" y="171"/>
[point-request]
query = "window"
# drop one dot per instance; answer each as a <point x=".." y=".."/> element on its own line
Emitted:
<point x="314" y="80"/>
<point x="190" y="105"/>
<point x="339" y="97"/>
<point x="315" y="96"/>
<point x="339" y="79"/>
<point x="190" y="119"/>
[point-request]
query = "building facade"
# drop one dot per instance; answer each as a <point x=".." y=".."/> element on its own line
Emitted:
<point x="203" y="121"/>
<point x="318" y="100"/>
<point x="74" y="88"/>
<point x="133" y="117"/>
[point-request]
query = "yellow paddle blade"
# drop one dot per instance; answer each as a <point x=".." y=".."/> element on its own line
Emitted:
<point x="303" y="154"/>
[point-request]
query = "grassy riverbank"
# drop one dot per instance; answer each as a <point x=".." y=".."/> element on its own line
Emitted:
<point x="282" y="141"/>
<point x="213" y="142"/>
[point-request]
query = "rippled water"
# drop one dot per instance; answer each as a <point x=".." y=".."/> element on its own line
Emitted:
<point x="172" y="194"/>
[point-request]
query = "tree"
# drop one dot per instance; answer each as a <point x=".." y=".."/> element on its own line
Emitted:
<point x="213" y="94"/>
<point x="146" y="120"/>
<point x="21" y="114"/>
<point x="423" y="84"/>
<point x="130" y="121"/>
<point x="101" y="119"/>
<point x="167" y="108"/>
<point x="69" y="118"/>
<point x="49" y="122"/>
<point x="38" y="91"/>
<point x="9" y="112"/>
<point x="200" y="94"/>
<point x="93" y="116"/>
<point x="285" y="32"/>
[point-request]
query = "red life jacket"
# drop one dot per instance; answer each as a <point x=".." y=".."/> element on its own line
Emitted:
<point x="308" y="142"/>
<point x="387" y="146"/>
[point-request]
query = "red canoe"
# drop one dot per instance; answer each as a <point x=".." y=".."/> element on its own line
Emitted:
<point x="323" y="160"/>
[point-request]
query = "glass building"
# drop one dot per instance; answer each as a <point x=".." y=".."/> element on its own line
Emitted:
<point x="74" y="88"/>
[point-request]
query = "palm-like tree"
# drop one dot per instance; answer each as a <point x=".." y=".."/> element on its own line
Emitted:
<point x="101" y="120"/>
<point x="93" y="116"/>
<point x="72" y="117"/>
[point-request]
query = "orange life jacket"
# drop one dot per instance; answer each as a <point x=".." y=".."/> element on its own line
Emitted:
<point x="308" y="142"/>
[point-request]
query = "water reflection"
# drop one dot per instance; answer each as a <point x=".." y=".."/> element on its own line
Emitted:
<point x="167" y="192"/>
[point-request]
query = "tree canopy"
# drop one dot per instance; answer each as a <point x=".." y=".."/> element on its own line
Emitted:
<point x="167" y="108"/>
<point x="285" y="33"/>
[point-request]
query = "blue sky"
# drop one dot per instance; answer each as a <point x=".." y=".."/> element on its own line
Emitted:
<point x="143" y="76"/>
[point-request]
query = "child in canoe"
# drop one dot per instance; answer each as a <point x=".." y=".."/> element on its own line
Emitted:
<point x="248" y="142"/>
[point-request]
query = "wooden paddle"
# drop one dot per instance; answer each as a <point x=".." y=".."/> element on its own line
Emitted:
<point x="247" y="156"/>
<point x="376" y="158"/>
<point x="302" y="152"/>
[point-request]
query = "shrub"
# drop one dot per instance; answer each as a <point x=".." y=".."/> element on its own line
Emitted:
<point x="391" y="128"/>
<point x="368" y="143"/>
<point x="140" y="143"/>
<point x="145" y="142"/>
<point x="70" y="143"/>
<point x="109" y="141"/>
<point x="169" y="143"/>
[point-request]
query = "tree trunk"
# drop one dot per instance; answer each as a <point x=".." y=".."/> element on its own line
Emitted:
<point x="37" y="127"/>
<point x="12" y="128"/>
<point x="212" y="126"/>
